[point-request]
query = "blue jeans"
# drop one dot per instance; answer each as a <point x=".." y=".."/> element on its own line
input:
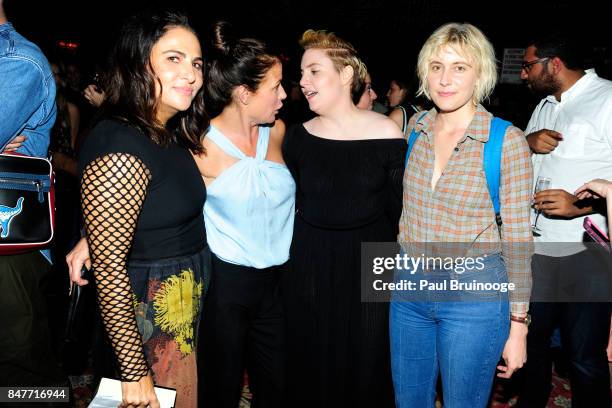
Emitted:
<point x="460" y="339"/>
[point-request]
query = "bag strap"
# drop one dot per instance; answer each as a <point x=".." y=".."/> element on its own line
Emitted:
<point x="414" y="135"/>
<point x="492" y="154"/>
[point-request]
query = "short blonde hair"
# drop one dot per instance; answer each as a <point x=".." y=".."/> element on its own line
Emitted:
<point x="341" y="52"/>
<point x="466" y="40"/>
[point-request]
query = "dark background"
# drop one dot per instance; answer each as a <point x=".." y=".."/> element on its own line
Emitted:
<point x="387" y="33"/>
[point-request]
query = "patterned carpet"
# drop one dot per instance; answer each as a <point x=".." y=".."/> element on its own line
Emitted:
<point x="560" y="397"/>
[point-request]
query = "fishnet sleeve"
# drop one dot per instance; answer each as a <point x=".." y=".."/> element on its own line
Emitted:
<point x="113" y="188"/>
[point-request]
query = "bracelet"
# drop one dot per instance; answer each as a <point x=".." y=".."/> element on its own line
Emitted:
<point x="525" y="320"/>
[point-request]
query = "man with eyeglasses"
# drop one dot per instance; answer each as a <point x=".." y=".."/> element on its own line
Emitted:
<point x="570" y="135"/>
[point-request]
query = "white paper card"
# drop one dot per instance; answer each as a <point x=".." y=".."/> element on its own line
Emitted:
<point x="109" y="395"/>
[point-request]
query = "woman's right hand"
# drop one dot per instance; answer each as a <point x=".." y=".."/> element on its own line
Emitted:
<point x="139" y="394"/>
<point x="75" y="259"/>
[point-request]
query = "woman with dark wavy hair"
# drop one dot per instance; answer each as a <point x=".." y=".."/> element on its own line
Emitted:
<point x="142" y="197"/>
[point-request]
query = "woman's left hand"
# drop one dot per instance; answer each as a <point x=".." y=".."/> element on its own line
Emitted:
<point x="515" y="350"/>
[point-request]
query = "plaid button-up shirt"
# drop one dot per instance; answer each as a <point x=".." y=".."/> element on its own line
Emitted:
<point x="460" y="210"/>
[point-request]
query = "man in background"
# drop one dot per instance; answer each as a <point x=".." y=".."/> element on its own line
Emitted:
<point x="570" y="135"/>
<point x="27" y="107"/>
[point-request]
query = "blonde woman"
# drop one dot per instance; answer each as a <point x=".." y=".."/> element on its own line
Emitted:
<point x="446" y="200"/>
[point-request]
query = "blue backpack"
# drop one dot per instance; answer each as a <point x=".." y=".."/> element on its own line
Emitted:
<point x="491" y="158"/>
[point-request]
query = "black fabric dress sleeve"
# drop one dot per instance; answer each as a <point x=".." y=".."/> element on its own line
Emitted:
<point x="289" y="150"/>
<point x="395" y="177"/>
<point x="113" y="189"/>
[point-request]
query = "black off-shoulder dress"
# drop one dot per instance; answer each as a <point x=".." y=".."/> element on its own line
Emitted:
<point x="348" y="192"/>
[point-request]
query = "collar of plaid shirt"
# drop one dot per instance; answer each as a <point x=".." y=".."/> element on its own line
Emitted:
<point x="478" y="129"/>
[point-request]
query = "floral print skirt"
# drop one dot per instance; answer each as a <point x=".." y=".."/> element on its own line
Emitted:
<point x="168" y="299"/>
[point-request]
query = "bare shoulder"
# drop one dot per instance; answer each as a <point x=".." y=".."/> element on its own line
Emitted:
<point x="397" y="116"/>
<point x="382" y="126"/>
<point x="277" y="132"/>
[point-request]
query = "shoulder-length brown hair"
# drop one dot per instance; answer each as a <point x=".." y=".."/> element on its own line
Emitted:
<point x="130" y="84"/>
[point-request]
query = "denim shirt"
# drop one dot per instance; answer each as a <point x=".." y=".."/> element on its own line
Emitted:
<point x="27" y="95"/>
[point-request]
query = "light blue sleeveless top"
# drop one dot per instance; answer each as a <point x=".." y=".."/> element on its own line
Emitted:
<point x="250" y="206"/>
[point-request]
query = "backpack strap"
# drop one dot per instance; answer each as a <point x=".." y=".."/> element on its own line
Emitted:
<point x="492" y="154"/>
<point x="414" y="135"/>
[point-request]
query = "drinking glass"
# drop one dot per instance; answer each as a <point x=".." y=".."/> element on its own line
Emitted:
<point x="543" y="183"/>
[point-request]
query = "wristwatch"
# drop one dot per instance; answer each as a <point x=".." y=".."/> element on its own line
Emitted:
<point x="525" y="319"/>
